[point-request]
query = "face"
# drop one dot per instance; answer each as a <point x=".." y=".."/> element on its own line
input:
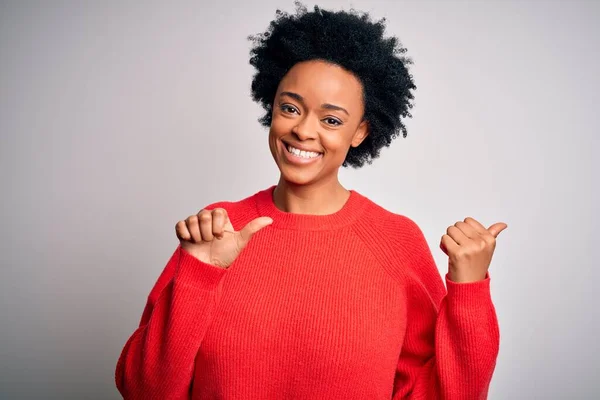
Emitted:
<point x="317" y="116"/>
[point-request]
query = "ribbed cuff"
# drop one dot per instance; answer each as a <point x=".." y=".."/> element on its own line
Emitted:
<point x="468" y="295"/>
<point x="193" y="272"/>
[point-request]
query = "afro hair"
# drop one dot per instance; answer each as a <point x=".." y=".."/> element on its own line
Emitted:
<point x="351" y="40"/>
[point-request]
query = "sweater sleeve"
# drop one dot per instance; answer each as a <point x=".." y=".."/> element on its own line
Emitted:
<point x="157" y="361"/>
<point x="452" y="337"/>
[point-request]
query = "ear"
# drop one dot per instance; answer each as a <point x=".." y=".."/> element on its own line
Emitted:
<point x="361" y="133"/>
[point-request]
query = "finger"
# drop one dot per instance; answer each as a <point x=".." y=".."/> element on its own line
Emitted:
<point x="254" y="226"/>
<point x="457" y="235"/>
<point x="497" y="228"/>
<point x="448" y="245"/>
<point x="219" y="218"/>
<point x="205" y="217"/>
<point x="443" y="246"/>
<point x="192" y="226"/>
<point x="181" y="231"/>
<point x="476" y="225"/>
<point x="467" y="229"/>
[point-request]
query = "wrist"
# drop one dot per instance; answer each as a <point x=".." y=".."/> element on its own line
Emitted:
<point x="458" y="276"/>
<point x="200" y="255"/>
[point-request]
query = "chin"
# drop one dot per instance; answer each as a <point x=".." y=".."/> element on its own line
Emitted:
<point x="296" y="177"/>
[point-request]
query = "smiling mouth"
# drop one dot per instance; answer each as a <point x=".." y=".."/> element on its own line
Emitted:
<point x="301" y="153"/>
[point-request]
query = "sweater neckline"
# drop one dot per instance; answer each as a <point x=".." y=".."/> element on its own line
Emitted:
<point x="351" y="210"/>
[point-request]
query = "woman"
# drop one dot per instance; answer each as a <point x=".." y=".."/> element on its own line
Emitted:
<point x="307" y="290"/>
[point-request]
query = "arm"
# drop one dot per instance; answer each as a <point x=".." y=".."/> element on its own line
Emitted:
<point x="452" y="337"/>
<point x="157" y="361"/>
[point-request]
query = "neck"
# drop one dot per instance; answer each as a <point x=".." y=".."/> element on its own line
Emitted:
<point x="315" y="199"/>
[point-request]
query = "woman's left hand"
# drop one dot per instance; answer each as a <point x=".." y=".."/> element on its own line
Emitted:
<point x="470" y="246"/>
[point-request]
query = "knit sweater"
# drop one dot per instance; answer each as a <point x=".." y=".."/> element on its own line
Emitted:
<point x="342" y="306"/>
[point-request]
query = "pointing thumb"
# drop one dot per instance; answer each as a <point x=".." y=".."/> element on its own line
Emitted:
<point x="497" y="228"/>
<point x="252" y="227"/>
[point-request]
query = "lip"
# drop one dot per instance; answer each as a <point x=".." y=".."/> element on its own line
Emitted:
<point x="300" y="147"/>
<point x="294" y="159"/>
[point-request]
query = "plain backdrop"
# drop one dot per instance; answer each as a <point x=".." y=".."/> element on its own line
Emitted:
<point x="119" y="118"/>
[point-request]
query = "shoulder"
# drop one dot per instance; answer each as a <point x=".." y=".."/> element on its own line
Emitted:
<point x="404" y="252"/>
<point x="396" y="227"/>
<point x="240" y="212"/>
<point x="396" y="238"/>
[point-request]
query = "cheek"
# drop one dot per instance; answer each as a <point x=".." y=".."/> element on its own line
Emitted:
<point x="277" y="130"/>
<point x="337" y="141"/>
<point x="280" y="126"/>
<point x="273" y="139"/>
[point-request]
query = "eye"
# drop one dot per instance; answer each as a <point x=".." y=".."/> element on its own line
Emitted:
<point x="288" y="108"/>
<point x="332" y="121"/>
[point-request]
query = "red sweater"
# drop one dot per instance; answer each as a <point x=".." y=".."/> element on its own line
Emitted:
<point x="342" y="306"/>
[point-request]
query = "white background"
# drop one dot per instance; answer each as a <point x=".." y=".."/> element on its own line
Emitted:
<point x="118" y="119"/>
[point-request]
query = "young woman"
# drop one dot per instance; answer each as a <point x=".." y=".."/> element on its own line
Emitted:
<point x="307" y="290"/>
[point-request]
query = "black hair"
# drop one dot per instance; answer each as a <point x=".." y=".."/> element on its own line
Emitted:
<point x="353" y="41"/>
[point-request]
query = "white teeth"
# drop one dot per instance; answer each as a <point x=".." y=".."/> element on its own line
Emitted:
<point x="302" y="153"/>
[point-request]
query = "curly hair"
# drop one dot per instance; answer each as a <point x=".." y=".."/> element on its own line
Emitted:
<point x="351" y="40"/>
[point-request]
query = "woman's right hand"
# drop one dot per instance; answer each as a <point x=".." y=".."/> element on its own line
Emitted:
<point x="209" y="236"/>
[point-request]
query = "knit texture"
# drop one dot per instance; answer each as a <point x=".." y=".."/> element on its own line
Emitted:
<point x="342" y="306"/>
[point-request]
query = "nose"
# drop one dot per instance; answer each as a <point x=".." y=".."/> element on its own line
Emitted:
<point x="305" y="129"/>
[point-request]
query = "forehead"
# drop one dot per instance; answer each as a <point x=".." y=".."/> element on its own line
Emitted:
<point x="322" y="82"/>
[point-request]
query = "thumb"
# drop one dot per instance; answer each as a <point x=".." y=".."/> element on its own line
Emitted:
<point x="252" y="227"/>
<point x="497" y="228"/>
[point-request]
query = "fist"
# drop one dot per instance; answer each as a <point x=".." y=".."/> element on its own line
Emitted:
<point x="210" y="237"/>
<point x="469" y="247"/>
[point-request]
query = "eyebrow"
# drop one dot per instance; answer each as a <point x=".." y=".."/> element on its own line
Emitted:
<point x="326" y="106"/>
